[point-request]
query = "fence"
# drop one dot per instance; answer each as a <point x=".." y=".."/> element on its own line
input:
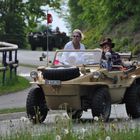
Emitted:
<point x="8" y="59"/>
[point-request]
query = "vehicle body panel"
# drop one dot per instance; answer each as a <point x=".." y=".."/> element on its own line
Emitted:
<point x="70" y="92"/>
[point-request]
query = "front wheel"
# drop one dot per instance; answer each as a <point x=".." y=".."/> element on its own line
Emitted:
<point x="132" y="101"/>
<point x="101" y="104"/>
<point x="36" y="106"/>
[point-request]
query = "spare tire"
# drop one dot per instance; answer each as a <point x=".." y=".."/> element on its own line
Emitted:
<point x="61" y="73"/>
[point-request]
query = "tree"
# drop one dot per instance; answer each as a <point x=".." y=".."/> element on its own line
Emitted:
<point x="18" y="17"/>
<point x="75" y="11"/>
<point x="98" y="17"/>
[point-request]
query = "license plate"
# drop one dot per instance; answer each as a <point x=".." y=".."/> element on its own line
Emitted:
<point x="53" y="82"/>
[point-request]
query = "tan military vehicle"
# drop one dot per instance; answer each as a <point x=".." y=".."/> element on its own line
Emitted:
<point x="76" y="82"/>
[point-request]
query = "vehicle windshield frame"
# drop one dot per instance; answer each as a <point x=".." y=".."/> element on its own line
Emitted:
<point x="89" y="52"/>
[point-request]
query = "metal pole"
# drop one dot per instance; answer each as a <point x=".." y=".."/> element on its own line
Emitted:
<point x="11" y="67"/>
<point x="16" y="61"/>
<point x="47" y="41"/>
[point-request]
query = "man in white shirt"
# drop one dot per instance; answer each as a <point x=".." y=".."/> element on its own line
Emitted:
<point x="77" y="36"/>
<point x="73" y="58"/>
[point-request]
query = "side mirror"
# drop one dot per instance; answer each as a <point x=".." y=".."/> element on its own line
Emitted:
<point x="44" y="55"/>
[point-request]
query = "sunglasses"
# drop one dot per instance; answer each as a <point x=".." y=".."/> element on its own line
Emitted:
<point x="76" y="36"/>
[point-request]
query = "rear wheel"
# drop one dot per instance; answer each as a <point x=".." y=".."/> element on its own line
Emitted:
<point x="132" y="101"/>
<point x="36" y="105"/>
<point x="101" y="104"/>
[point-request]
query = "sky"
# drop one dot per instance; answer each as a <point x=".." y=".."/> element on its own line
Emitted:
<point x="57" y="20"/>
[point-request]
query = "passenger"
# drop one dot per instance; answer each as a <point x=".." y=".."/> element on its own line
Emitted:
<point x="74" y="58"/>
<point x="77" y="36"/>
<point x="108" y="55"/>
<point x="57" y="30"/>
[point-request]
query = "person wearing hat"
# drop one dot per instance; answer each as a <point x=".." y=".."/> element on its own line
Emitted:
<point x="108" y="54"/>
<point x="75" y="43"/>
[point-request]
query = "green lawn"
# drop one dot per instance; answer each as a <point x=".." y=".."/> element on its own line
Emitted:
<point x="15" y="84"/>
<point x="12" y="110"/>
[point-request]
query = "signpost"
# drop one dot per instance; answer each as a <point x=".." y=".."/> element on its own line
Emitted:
<point x="49" y="21"/>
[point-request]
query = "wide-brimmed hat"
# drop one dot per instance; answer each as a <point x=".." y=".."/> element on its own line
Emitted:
<point x="107" y="41"/>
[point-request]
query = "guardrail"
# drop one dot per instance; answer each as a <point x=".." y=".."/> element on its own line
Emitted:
<point x="8" y="60"/>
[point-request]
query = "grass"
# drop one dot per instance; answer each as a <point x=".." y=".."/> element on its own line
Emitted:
<point x="15" y="84"/>
<point x="12" y="110"/>
<point x="71" y="136"/>
<point x="64" y="129"/>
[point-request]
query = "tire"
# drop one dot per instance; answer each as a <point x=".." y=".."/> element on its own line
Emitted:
<point x="132" y="101"/>
<point x="62" y="74"/>
<point x="36" y="106"/>
<point x="75" y="114"/>
<point x="101" y="104"/>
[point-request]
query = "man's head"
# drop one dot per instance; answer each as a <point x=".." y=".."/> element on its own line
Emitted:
<point x="107" y="44"/>
<point x="77" y="35"/>
<point x="57" y="29"/>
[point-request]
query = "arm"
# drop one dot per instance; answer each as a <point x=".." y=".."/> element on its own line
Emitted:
<point x="116" y="59"/>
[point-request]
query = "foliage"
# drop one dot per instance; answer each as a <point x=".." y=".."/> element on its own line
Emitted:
<point x="100" y="18"/>
<point x="18" y="17"/>
<point x="75" y="11"/>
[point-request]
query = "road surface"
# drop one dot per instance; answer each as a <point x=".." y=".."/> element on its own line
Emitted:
<point x="31" y="58"/>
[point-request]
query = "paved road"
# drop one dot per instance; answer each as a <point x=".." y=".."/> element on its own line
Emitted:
<point x="31" y="58"/>
<point x="17" y="99"/>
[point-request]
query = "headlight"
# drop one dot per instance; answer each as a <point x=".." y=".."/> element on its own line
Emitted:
<point x="96" y="75"/>
<point x="34" y="74"/>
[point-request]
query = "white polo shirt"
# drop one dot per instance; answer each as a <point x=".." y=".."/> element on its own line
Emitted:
<point x="69" y="46"/>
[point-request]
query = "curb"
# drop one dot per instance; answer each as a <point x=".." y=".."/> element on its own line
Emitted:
<point x="11" y="116"/>
<point x="18" y="115"/>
